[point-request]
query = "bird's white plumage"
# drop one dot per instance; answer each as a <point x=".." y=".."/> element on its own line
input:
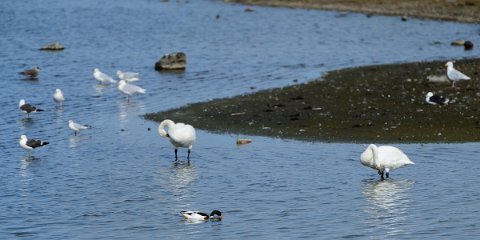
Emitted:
<point x="455" y="75"/>
<point x="128" y="76"/>
<point x="76" y="127"/>
<point x="58" y="96"/>
<point x="384" y="158"/>
<point x="102" y="77"/>
<point x="433" y="99"/>
<point x="23" y="143"/>
<point x="129" y="89"/>
<point x="180" y="134"/>
<point x="195" y="215"/>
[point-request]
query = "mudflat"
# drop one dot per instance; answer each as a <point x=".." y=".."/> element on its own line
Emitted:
<point x="373" y="103"/>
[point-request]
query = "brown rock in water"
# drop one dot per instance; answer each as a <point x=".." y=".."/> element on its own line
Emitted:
<point x="172" y="61"/>
<point x="53" y="47"/>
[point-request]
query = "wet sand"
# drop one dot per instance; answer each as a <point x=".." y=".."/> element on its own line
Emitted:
<point x="374" y="103"/>
<point x="459" y="10"/>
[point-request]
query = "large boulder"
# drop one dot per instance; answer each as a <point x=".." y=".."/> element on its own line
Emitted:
<point x="172" y="61"/>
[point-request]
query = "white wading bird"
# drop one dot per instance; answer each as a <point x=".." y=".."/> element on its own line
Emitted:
<point x="128" y="76"/>
<point x="102" y="77"/>
<point x="384" y="158"/>
<point x="58" y="96"/>
<point x="180" y="134"/>
<point x="76" y="127"/>
<point x="455" y="75"/>
<point x="129" y="89"/>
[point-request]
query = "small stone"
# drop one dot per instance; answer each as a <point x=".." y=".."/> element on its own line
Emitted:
<point x="53" y="47"/>
<point x="468" y="45"/>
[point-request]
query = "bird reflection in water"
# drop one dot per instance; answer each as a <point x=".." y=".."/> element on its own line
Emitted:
<point x="388" y="203"/>
<point x="125" y="108"/>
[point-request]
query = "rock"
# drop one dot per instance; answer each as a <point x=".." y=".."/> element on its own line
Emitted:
<point x="468" y="45"/>
<point x="53" y="47"/>
<point x="459" y="42"/>
<point x="172" y="61"/>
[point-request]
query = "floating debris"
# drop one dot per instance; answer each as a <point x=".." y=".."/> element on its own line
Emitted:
<point x="242" y="141"/>
<point x="53" y="47"/>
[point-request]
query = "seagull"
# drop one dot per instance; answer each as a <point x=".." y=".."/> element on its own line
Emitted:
<point x="27" y="108"/>
<point x="455" y="75"/>
<point x="435" y="99"/>
<point x="215" y="215"/>
<point x="384" y="158"/>
<point x="32" y="73"/>
<point x="30" y="144"/>
<point x="102" y="77"/>
<point x="128" y="76"/>
<point x="180" y="134"/>
<point x="76" y="127"/>
<point x="129" y="89"/>
<point x="58" y="96"/>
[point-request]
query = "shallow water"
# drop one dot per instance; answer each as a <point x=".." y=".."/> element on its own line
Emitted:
<point x="119" y="180"/>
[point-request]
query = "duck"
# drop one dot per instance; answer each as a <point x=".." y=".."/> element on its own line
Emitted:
<point x="58" y="96"/>
<point x="454" y="75"/>
<point x="435" y="99"/>
<point x="215" y="215"/>
<point x="102" y="77"/>
<point x="180" y="135"/>
<point x="27" y="108"/>
<point x="32" y="73"/>
<point x="129" y="89"/>
<point x="77" y="127"/>
<point x="384" y="158"/>
<point x="30" y="144"/>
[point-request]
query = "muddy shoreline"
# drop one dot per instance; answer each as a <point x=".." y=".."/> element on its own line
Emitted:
<point x="461" y="10"/>
<point x="373" y="103"/>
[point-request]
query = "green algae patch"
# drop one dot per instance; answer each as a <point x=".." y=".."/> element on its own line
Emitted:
<point x="383" y="103"/>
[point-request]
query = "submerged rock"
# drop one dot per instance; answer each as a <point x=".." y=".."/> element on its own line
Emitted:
<point x="172" y="61"/>
<point x="53" y="47"/>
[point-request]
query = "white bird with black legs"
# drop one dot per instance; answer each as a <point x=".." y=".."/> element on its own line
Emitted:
<point x="215" y="215"/>
<point x="102" y="77"/>
<point x="58" y="96"/>
<point x="454" y="75"/>
<point x="77" y="127"/>
<point x="129" y="89"/>
<point x="384" y="158"/>
<point x="27" y="108"/>
<point x="435" y="99"/>
<point x="180" y="135"/>
<point x="30" y="144"/>
<point x="128" y="76"/>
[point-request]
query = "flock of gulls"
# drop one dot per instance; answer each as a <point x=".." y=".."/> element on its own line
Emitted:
<point x="380" y="158"/>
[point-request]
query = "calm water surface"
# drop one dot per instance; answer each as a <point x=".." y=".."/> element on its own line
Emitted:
<point x="118" y="180"/>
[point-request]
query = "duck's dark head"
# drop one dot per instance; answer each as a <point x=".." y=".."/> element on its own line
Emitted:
<point x="216" y="215"/>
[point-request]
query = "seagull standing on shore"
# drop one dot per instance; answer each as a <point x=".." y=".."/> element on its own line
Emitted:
<point x="30" y="144"/>
<point x="384" y="158"/>
<point x="27" y="108"/>
<point x="455" y="75"/>
<point x="58" y="96"/>
<point x="128" y="76"/>
<point x="32" y="73"/>
<point x="129" y="89"/>
<point x="435" y="99"/>
<point x="102" y="77"/>
<point x="180" y="135"/>
<point x="76" y="127"/>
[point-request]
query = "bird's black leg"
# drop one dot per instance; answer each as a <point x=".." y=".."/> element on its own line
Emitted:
<point x="188" y="156"/>
<point x="386" y="174"/>
<point x="75" y="133"/>
<point x="176" y="150"/>
<point x="381" y="176"/>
